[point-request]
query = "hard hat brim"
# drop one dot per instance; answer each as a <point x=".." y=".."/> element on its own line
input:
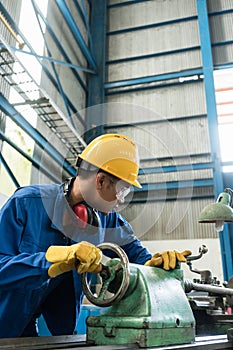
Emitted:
<point x="136" y="184"/>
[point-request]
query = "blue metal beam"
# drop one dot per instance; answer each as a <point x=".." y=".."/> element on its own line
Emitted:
<point x="81" y="13"/>
<point x="175" y="168"/>
<point x="185" y="156"/>
<point x="50" y="59"/>
<point x="34" y="162"/>
<point x="76" y="32"/>
<point x="174" y="185"/>
<point x="165" y="23"/>
<point x="164" y="53"/>
<point x="167" y="199"/>
<point x="144" y="87"/>
<point x="221" y="12"/>
<point x="211" y="107"/>
<point x="10" y="173"/>
<point x="96" y="93"/>
<point x="9" y="110"/>
<point x="153" y="78"/>
<point x="60" y="48"/>
<point x="152" y="55"/>
<point x="126" y="3"/>
<point x="84" y="16"/>
<point x="53" y="66"/>
<point x="228" y="65"/>
<point x="45" y="69"/>
<point x="157" y="121"/>
<point x="152" y="25"/>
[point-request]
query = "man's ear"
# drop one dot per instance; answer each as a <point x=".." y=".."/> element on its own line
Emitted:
<point x="100" y="177"/>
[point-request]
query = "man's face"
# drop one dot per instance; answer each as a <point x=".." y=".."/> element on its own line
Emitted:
<point x="104" y="192"/>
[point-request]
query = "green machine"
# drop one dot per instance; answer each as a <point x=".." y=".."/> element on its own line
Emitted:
<point x="145" y="306"/>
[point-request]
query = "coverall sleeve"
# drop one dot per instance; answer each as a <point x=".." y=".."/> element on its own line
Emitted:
<point x="136" y="252"/>
<point x="119" y="231"/>
<point x="18" y="265"/>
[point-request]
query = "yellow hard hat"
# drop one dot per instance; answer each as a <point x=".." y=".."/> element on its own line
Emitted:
<point x="116" y="154"/>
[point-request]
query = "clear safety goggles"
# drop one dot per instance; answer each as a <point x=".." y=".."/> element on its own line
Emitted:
<point x="122" y="192"/>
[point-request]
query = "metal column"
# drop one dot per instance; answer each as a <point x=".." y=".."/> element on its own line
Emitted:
<point x="96" y="93"/>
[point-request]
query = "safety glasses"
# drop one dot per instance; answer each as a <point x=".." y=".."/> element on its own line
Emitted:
<point x="122" y="193"/>
<point x="121" y="189"/>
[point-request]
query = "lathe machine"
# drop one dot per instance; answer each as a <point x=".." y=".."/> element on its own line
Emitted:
<point x="145" y="307"/>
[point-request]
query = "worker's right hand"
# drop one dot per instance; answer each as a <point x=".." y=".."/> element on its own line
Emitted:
<point x="83" y="256"/>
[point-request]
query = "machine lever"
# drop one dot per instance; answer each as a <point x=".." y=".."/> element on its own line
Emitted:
<point x="202" y="250"/>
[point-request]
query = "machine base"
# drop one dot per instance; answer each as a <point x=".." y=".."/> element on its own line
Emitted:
<point x="78" y="342"/>
<point x="143" y="337"/>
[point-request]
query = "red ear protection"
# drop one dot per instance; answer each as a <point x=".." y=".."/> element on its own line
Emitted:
<point x="87" y="216"/>
<point x="82" y="214"/>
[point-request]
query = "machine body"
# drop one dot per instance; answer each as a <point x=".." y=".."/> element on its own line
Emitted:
<point x="154" y="310"/>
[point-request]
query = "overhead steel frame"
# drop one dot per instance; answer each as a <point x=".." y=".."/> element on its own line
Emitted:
<point x="9" y="110"/>
<point x="35" y="163"/>
<point x="95" y="55"/>
<point x="69" y="105"/>
<point x="6" y="107"/>
<point x="76" y="32"/>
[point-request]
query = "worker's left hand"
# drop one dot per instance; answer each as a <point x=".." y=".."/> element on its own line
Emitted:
<point x="168" y="259"/>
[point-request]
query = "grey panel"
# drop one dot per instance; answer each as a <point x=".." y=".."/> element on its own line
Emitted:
<point x="149" y="12"/>
<point x="219" y="5"/>
<point x="158" y="39"/>
<point x="155" y="104"/>
<point x="223" y="54"/>
<point x="153" y="66"/>
<point x="221" y="27"/>
<point x="169" y="220"/>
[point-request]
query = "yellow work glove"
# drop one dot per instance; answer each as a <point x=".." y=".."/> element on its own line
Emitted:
<point x="83" y="256"/>
<point x="168" y="259"/>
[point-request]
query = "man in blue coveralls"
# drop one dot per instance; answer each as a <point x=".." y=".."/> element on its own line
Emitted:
<point x="49" y="233"/>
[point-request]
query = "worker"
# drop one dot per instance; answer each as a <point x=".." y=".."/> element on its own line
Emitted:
<point x="49" y="236"/>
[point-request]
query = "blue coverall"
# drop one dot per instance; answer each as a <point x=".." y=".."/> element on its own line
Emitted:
<point x="31" y="221"/>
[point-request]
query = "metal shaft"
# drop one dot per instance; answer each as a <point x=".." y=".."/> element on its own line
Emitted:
<point x="189" y="286"/>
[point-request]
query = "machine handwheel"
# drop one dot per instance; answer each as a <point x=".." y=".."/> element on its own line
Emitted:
<point x="111" y="271"/>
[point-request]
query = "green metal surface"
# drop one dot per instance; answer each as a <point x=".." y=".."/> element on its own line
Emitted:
<point x="219" y="211"/>
<point x="153" y="312"/>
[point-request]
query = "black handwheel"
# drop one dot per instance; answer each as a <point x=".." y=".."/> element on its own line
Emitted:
<point x="115" y="269"/>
